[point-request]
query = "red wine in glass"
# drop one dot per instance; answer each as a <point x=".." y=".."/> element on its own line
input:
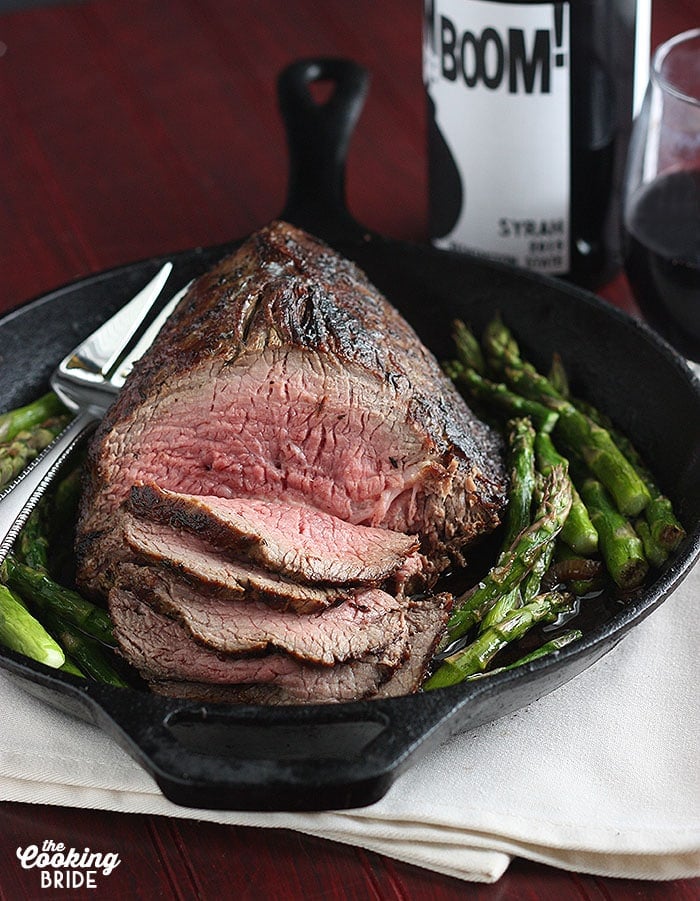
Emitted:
<point x="662" y="256"/>
<point x="661" y="210"/>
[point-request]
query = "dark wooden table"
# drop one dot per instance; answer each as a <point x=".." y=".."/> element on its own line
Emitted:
<point x="130" y="128"/>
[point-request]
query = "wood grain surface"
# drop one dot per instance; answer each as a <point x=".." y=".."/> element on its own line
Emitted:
<point x="131" y="128"/>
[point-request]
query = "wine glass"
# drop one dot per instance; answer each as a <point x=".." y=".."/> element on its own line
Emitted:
<point x="661" y="197"/>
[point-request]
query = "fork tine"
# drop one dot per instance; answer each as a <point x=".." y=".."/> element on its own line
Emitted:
<point x="145" y="341"/>
<point x="102" y="350"/>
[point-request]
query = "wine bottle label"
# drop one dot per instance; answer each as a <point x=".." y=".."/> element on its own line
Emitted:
<point x="497" y="77"/>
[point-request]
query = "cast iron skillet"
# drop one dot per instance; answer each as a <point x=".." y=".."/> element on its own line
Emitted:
<point x="347" y="755"/>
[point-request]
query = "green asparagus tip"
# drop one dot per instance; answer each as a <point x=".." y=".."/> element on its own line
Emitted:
<point x="453" y="369"/>
<point x="468" y="348"/>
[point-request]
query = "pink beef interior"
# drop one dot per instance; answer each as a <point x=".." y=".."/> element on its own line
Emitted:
<point x="280" y="424"/>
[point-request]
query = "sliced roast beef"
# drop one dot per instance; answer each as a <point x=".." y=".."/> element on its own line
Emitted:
<point x="405" y="679"/>
<point x="424" y="639"/>
<point x="174" y="663"/>
<point x="368" y="622"/>
<point x="162" y="649"/>
<point x="296" y="540"/>
<point x="194" y="558"/>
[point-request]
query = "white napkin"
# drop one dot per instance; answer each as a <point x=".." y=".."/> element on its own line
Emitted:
<point x="601" y="776"/>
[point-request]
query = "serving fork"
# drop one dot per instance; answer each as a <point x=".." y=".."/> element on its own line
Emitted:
<point x="87" y="381"/>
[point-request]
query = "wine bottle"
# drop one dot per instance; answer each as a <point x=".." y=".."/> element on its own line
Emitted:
<point x="530" y="107"/>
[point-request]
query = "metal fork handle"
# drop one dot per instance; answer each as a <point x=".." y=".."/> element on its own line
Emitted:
<point x="22" y="496"/>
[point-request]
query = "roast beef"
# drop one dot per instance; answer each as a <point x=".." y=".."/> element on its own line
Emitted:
<point x="163" y="649"/>
<point x="287" y="446"/>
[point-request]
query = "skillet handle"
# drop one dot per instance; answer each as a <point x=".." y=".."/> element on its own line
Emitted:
<point x="318" y="135"/>
<point x="270" y="758"/>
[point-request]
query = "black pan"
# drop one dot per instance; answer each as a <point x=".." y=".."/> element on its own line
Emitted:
<point x="347" y="755"/>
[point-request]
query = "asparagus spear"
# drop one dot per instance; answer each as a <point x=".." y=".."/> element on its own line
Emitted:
<point x="500" y="346"/>
<point x="60" y="527"/>
<point x="520" y="558"/>
<point x="619" y="544"/>
<point x="521" y="482"/>
<point x="34" y="550"/>
<point x="453" y="369"/>
<point x="70" y="667"/>
<point x="530" y="587"/>
<point x="520" y="437"/>
<point x="581" y="574"/>
<point x="502" y="607"/>
<point x="21" y="632"/>
<point x="46" y="595"/>
<point x="510" y="404"/>
<point x="477" y="655"/>
<point x="653" y="551"/>
<point x="532" y="582"/>
<point x="558" y="376"/>
<point x="578" y="531"/>
<point x="29" y="416"/>
<point x="599" y="451"/>
<point x="547" y="648"/>
<point x="468" y="347"/>
<point x="33" y="545"/>
<point x="665" y="531"/>
<point x="85" y="651"/>
<point x="664" y="528"/>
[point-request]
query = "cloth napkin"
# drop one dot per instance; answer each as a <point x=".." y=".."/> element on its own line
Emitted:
<point x="600" y="776"/>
